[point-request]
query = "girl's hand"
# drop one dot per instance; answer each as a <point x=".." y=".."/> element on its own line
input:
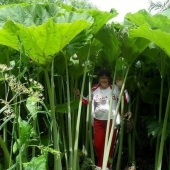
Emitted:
<point x="128" y="122"/>
<point x="76" y="92"/>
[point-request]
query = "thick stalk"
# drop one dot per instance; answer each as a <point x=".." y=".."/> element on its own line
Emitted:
<point x="62" y="122"/>
<point x="113" y="124"/>
<point x="135" y="116"/>
<point x="90" y="134"/>
<point x="159" y="120"/>
<point x="78" y="117"/>
<point x="14" y="124"/>
<point x="5" y="151"/>
<point x="159" y="165"/>
<point x="88" y="124"/>
<point x="57" y="161"/>
<point x="69" y="118"/>
<point x="129" y="143"/>
<point x="108" y="122"/>
<point x="169" y="155"/>
<point x="121" y="135"/>
<point x="74" y="115"/>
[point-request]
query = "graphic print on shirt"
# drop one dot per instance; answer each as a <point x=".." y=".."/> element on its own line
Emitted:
<point x="113" y="97"/>
<point x="101" y="103"/>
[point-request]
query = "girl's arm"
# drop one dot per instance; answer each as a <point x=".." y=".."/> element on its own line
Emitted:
<point x="84" y="99"/>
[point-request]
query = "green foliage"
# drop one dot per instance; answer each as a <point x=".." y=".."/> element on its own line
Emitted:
<point x="26" y="131"/>
<point x="62" y="108"/>
<point x="37" y="163"/>
<point x="32" y="106"/>
<point x="3" y="2"/>
<point x="111" y="44"/>
<point x="152" y="29"/>
<point x="43" y="33"/>
<point x="154" y="128"/>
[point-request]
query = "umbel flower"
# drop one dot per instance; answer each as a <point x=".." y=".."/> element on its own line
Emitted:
<point x="4" y="67"/>
<point x="15" y="85"/>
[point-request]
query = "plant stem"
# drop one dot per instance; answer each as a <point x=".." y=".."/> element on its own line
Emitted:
<point x="159" y="120"/>
<point x="5" y="150"/>
<point x="69" y="116"/>
<point x="121" y="135"/>
<point x="134" y="129"/>
<point x="159" y="165"/>
<point x="113" y="124"/>
<point x="57" y="162"/>
<point x="78" y="117"/>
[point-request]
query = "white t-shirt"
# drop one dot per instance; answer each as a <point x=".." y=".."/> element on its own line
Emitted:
<point x="101" y="102"/>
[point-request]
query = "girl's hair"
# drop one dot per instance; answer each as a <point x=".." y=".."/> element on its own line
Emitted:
<point x="104" y="72"/>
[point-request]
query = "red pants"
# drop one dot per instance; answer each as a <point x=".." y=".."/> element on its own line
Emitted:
<point x="99" y="128"/>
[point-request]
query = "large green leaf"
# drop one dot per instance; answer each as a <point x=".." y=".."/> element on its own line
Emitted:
<point x="73" y="16"/>
<point x="166" y="13"/>
<point x="160" y="58"/>
<point x="131" y="48"/>
<point x="41" y="42"/>
<point x="153" y="28"/>
<point x="154" y="22"/>
<point x="29" y="15"/>
<point x="36" y="163"/>
<point x="100" y="19"/>
<point x="160" y="38"/>
<point x="111" y="43"/>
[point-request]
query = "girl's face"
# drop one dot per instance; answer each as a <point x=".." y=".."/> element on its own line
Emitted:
<point x="104" y="82"/>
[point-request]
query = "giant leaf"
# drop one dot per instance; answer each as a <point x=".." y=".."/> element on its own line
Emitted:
<point x="73" y="16"/>
<point x="160" y="38"/>
<point x="100" y="19"/>
<point x="160" y="58"/>
<point x="154" y="22"/>
<point x="166" y="12"/>
<point x="29" y="15"/>
<point x="132" y="47"/>
<point x="43" y="41"/>
<point x="110" y="42"/>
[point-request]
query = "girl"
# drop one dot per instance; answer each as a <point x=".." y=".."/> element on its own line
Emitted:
<point x="101" y="95"/>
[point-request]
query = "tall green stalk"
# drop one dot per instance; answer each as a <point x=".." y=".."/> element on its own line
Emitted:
<point x="169" y="155"/>
<point x="121" y="135"/>
<point x="50" y="88"/>
<point x="79" y="115"/>
<point x="135" y="116"/>
<point x="113" y="124"/>
<point x="159" y="120"/>
<point x="88" y="115"/>
<point x="69" y="116"/>
<point x="108" y="122"/>
<point x="5" y="151"/>
<point x="62" y="121"/>
<point x="89" y="120"/>
<point x="159" y="165"/>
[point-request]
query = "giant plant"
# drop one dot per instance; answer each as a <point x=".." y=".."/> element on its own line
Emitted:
<point x="41" y="36"/>
<point x="156" y="29"/>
